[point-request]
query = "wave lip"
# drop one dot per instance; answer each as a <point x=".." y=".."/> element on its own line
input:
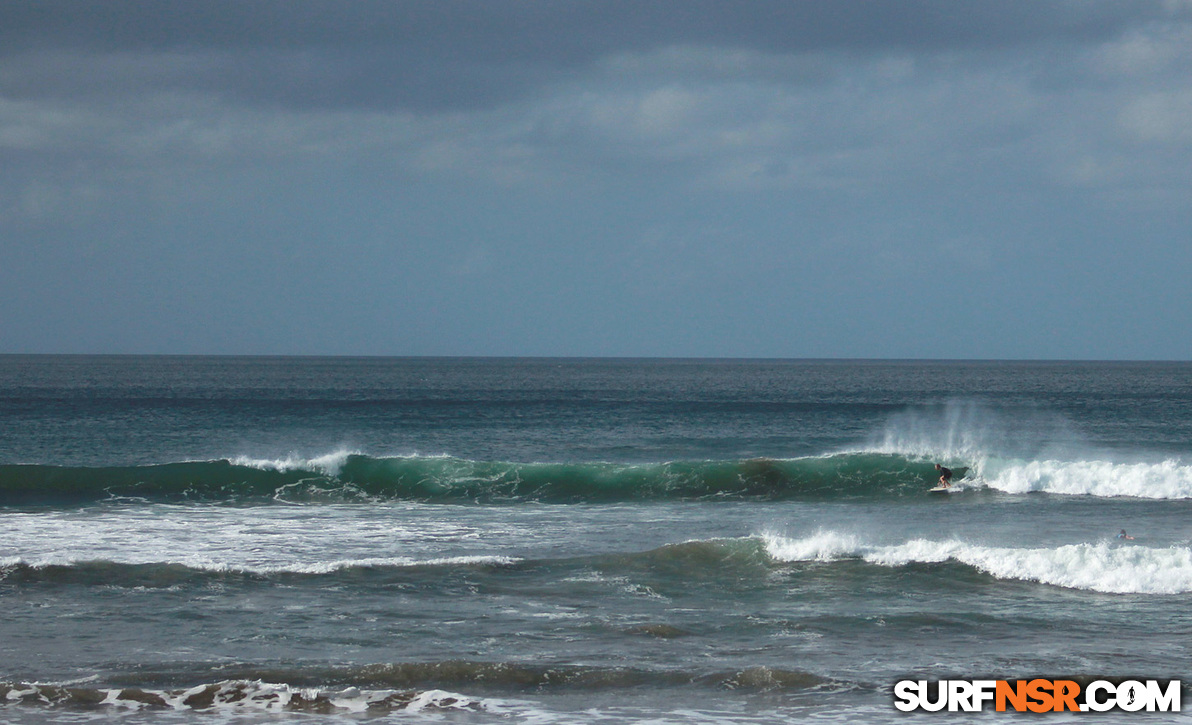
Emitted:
<point x="1099" y="567"/>
<point x="330" y="464"/>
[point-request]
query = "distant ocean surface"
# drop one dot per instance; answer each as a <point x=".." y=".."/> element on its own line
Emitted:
<point x="208" y="540"/>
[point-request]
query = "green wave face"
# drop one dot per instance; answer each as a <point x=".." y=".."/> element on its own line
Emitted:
<point x="363" y="478"/>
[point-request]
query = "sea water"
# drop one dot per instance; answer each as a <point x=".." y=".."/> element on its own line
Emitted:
<point x="476" y="540"/>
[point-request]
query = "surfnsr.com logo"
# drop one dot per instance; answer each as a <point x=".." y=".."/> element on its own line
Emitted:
<point x="1038" y="695"/>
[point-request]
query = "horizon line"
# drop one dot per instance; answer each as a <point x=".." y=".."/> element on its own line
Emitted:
<point x="579" y="358"/>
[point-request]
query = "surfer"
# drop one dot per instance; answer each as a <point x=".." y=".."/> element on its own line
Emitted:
<point x="945" y="476"/>
<point x="1124" y="535"/>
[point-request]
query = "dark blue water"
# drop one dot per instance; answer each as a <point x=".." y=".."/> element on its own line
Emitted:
<point x="197" y="539"/>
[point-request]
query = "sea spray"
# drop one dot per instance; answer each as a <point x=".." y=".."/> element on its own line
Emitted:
<point x="975" y="432"/>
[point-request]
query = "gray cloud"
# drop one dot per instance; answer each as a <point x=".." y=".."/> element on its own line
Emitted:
<point x="736" y="93"/>
<point x="470" y="54"/>
<point x="527" y="177"/>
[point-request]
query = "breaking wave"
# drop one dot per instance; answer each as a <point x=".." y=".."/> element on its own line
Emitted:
<point x="1099" y="567"/>
<point x="1168" y="479"/>
<point x="358" y="478"/>
<point x="352" y="477"/>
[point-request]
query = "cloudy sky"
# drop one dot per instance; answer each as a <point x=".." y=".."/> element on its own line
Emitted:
<point x="733" y="178"/>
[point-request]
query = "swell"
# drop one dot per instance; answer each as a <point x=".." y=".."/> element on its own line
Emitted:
<point x="359" y="478"/>
<point x="827" y="555"/>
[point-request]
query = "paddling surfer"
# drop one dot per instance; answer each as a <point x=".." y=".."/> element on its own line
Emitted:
<point x="945" y="476"/>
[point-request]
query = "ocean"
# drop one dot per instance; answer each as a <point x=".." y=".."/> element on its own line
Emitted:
<point x="256" y="539"/>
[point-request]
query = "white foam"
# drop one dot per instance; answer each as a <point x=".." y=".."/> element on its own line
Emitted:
<point x="259" y="540"/>
<point x="1100" y="567"/>
<point x="440" y="699"/>
<point x="328" y="567"/>
<point x="330" y="464"/>
<point x="322" y="567"/>
<point x="821" y="546"/>
<point x="1169" y="479"/>
<point x="239" y="695"/>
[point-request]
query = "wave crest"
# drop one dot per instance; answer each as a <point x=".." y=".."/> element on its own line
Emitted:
<point x="353" y="477"/>
<point x="346" y="477"/>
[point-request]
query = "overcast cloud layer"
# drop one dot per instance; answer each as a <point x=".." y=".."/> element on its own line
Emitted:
<point x="850" y="178"/>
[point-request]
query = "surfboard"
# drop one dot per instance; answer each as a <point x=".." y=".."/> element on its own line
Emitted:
<point x="939" y="489"/>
